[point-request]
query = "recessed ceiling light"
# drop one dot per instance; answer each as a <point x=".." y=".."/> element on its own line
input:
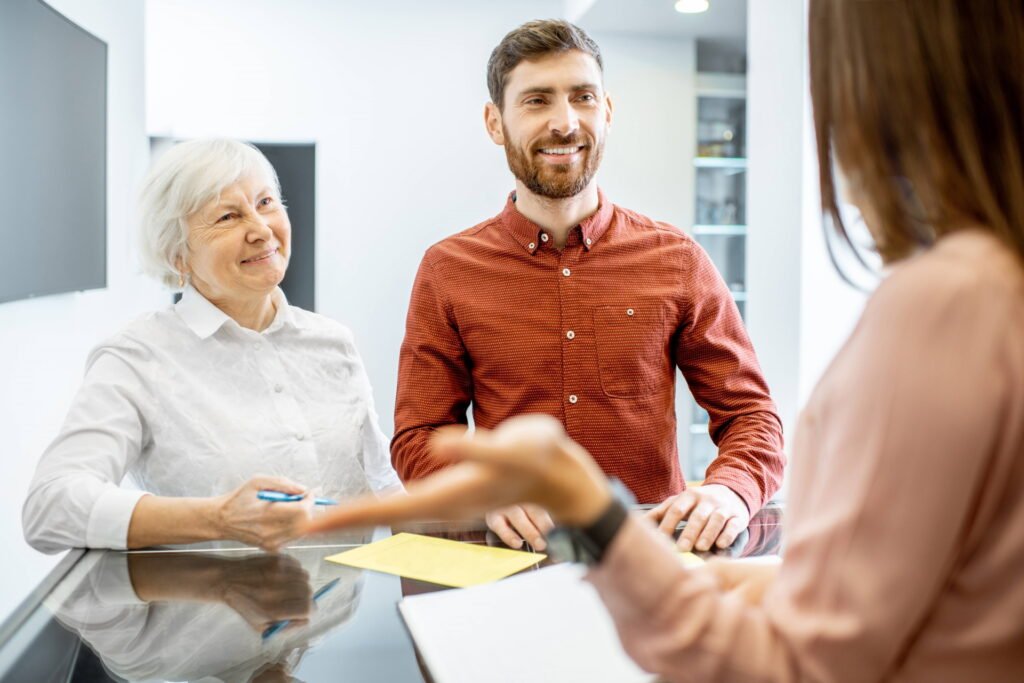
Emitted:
<point x="691" y="6"/>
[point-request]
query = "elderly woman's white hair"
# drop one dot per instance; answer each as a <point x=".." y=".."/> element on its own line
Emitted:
<point x="183" y="180"/>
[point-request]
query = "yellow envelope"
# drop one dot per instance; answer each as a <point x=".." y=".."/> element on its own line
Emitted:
<point x="437" y="560"/>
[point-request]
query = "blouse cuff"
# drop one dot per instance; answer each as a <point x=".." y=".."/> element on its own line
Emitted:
<point x="110" y="517"/>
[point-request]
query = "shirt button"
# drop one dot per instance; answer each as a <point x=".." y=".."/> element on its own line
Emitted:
<point x="570" y="334"/>
<point x="300" y="436"/>
<point x="566" y="272"/>
<point x="531" y="245"/>
<point x="278" y="388"/>
<point x="589" y="242"/>
<point x="544" y="237"/>
<point x="257" y="346"/>
<point x="573" y="398"/>
<point x="629" y="311"/>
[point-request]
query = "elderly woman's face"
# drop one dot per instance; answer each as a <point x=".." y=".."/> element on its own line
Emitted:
<point x="238" y="244"/>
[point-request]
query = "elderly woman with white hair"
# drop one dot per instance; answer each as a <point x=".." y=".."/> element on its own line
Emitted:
<point x="230" y="392"/>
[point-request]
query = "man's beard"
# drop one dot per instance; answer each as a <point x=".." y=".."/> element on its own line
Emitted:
<point x="554" y="181"/>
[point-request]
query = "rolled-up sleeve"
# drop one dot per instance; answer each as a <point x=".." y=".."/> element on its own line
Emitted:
<point x="76" y="498"/>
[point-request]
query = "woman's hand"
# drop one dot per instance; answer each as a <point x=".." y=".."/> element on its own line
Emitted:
<point x="242" y="516"/>
<point x="266" y="589"/>
<point x="262" y="589"/>
<point x="750" y="579"/>
<point x="527" y="459"/>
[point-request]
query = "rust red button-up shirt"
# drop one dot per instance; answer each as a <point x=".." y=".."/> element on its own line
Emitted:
<point x="591" y="334"/>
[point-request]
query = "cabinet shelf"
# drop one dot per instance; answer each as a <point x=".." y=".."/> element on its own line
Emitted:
<point x="720" y="162"/>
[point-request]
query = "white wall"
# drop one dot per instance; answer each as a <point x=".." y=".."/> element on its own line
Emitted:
<point x="799" y="311"/>
<point x="648" y="163"/>
<point x="775" y="194"/>
<point x="44" y="342"/>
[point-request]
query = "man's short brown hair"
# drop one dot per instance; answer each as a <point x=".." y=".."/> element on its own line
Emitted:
<point x="533" y="40"/>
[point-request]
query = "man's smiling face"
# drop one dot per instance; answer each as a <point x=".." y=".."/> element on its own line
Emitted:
<point x="553" y="123"/>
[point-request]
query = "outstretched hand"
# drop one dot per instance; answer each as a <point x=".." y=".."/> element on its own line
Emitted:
<point x="527" y="459"/>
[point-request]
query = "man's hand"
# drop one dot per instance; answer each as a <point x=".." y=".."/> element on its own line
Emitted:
<point x="517" y="523"/>
<point x="715" y="516"/>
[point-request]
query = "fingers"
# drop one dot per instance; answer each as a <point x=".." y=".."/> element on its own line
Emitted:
<point x="525" y="526"/>
<point x="531" y="435"/>
<point x="499" y="524"/>
<point x="656" y="513"/>
<point x="733" y="528"/>
<point x="282" y="484"/>
<point x="464" y="490"/>
<point x="695" y="524"/>
<point x="677" y="511"/>
<point x="540" y="517"/>
<point x="715" y="524"/>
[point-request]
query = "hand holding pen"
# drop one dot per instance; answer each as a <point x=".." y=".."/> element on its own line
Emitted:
<point x="265" y="511"/>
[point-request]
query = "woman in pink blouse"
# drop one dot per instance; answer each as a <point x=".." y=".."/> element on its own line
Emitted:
<point x="905" y="530"/>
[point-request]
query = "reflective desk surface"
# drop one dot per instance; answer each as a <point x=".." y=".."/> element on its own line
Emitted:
<point x="227" y="613"/>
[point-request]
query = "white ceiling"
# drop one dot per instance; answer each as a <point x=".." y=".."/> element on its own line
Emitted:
<point x="725" y="19"/>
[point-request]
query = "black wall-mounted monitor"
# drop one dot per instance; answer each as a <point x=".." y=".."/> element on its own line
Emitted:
<point x="53" y="153"/>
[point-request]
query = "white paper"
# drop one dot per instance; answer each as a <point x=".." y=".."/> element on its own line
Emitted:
<point x="543" y="626"/>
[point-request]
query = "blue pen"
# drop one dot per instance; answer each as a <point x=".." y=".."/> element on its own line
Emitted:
<point x="281" y="497"/>
<point x="278" y="625"/>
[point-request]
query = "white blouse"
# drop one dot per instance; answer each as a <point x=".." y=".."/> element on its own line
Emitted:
<point x="185" y="402"/>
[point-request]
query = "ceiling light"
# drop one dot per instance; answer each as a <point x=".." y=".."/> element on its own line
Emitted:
<point x="691" y="6"/>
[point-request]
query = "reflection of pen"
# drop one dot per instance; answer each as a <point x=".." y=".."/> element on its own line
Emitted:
<point x="281" y="497"/>
<point x="278" y="625"/>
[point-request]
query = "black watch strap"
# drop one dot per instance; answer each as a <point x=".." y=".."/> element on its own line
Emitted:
<point x="599" y="535"/>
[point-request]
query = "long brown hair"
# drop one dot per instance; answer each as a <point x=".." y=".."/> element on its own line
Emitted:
<point x="922" y="104"/>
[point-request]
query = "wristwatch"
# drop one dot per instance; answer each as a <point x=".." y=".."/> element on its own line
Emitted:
<point x="588" y="545"/>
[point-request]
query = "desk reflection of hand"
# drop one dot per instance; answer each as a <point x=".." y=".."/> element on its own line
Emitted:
<point x="261" y="589"/>
<point x="275" y="673"/>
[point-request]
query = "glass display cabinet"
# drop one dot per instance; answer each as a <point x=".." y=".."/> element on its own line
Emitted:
<point x="720" y="220"/>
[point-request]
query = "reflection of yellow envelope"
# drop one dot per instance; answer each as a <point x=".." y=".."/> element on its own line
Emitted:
<point x="438" y="560"/>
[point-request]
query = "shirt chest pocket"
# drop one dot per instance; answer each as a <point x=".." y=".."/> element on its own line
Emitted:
<point x="632" y="349"/>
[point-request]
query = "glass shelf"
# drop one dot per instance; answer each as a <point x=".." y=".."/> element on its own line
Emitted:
<point x="721" y="197"/>
<point x="721" y="128"/>
<point x="720" y="219"/>
<point x="729" y="254"/>
<point x="720" y="162"/>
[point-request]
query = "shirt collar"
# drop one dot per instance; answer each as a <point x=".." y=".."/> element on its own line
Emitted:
<point x="527" y="233"/>
<point x="204" y="318"/>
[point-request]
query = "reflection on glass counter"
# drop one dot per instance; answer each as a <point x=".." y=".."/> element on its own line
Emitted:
<point x="189" y="616"/>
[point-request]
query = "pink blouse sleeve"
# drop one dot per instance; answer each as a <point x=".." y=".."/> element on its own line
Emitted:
<point x="894" y="452"/>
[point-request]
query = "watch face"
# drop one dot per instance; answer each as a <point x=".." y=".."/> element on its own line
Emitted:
<point x="562" y="545"/>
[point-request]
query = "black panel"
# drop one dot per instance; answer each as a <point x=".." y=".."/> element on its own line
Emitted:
<point x="53" y="153"/>
<point x="296" y="169"/>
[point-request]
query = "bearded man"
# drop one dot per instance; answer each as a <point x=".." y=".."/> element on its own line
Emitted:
<point x="569" y="305"/>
